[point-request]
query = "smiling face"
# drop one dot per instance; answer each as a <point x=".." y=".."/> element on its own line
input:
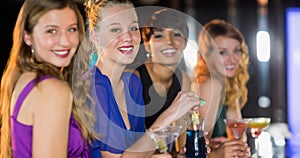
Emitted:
<point x="230" y="52"/>
<point x="166" y="46"/>
<point x="55" y="37"/>
<point x="118" y="37"/>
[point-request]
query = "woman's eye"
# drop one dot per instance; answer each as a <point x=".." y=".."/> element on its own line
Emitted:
<point x="157" y="36"/>
<point x="134" y="29"/>
<point x="222" y="53"/>
<point x="237" y="51"/>
<point x="178" y="34"/>
<point x="51" y="31"/>
<point x="115" y="30"/>
<point x="74" y="29"/>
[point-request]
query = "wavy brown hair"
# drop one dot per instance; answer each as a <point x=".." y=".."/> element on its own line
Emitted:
<point x="21" y="60"/>
<point x="235" y="86"/>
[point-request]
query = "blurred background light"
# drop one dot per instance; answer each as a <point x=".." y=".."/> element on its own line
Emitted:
<point x="293" y="75"/>
<point x="263" y="46"/>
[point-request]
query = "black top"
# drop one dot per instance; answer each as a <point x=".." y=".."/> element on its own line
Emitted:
<point x="154" y="103"/>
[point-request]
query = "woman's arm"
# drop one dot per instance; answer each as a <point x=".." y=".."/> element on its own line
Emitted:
<point x="185" y="120"/>
<point x="211" y="91"/>
<point x="186" y="82"/>
<point x="52" y="101"/>
<point x="145" y="147"/>
<point x="182" y="104"/>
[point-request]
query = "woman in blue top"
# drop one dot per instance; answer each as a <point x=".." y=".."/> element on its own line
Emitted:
<point x="114" y="35"/>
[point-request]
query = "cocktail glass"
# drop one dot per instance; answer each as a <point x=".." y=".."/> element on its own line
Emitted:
<point x="237" y="126"/>
<point x="165" y="137"/>
<point x="256" y="125"/>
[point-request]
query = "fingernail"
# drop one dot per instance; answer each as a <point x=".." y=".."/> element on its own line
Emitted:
<point x="202" y="101"/>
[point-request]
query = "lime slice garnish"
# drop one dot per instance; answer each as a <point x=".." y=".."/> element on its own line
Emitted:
<point x="162" y="146"/>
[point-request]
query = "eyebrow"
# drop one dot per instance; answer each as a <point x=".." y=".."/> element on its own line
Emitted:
<point x="74" y="24"/>
<point x="221" y="48"/>
<point x="159" y="29"/>
<point x="118" y="23"/>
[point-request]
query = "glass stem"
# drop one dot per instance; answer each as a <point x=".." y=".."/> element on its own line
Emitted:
<point x="256" y="147"/>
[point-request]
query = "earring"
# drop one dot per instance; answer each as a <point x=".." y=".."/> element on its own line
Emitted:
<point x="93" y="59"/>
<point x="149" y="55"/>
<point x="32" y="50"/>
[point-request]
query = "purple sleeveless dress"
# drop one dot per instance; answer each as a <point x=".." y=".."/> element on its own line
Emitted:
<point x="21" y="134"/>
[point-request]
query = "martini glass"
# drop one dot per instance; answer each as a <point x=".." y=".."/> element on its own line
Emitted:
<point x="164" y="137"/>
<point x="256" y="125"/>
<point x="237" y="126"/>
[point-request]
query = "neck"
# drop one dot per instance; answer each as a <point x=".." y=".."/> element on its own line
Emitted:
<point x="161" y="73"/>
<point x="111" y="69"/>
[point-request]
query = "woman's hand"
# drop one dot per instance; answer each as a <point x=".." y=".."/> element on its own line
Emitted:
<point x="230" y="149"/>
<point x="181" y="153"/>
<point x="214" y="143"/>
<point x="183" y="103"/>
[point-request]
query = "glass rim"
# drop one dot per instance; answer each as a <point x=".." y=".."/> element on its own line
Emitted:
<point x="154" y="129"/>
<point x="260" y="118"/>
<point x="243" y="120"/>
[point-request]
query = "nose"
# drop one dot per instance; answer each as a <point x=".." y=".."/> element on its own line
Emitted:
<point x="126" y="36"/>
<point x="64" y="39"/>
<point x="169" y="38"/>
<point x="232" y="57"/>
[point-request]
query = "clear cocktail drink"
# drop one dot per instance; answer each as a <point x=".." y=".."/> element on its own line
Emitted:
<point x="165" y="137"/>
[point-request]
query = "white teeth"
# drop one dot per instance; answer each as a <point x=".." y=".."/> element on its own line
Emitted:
<point x="61" y="52"/>
<point x="229" y="66"/>
<point x="126" y="49"/>
<point x="169" y="51"/>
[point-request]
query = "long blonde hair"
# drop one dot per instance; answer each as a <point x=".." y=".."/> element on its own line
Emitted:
<point x="93" y="7"/>
<point x="235" y="86"/>
<point x="22" y="60"/>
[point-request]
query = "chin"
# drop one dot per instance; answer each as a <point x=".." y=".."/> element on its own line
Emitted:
<point x="230" y="75"/>
<point x="62" y="64"/>
<point x="126" y="62"/>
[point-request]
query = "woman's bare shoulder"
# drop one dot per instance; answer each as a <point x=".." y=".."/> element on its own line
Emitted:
<point x="53" y="94"/>
<point x="54" y="87"/>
